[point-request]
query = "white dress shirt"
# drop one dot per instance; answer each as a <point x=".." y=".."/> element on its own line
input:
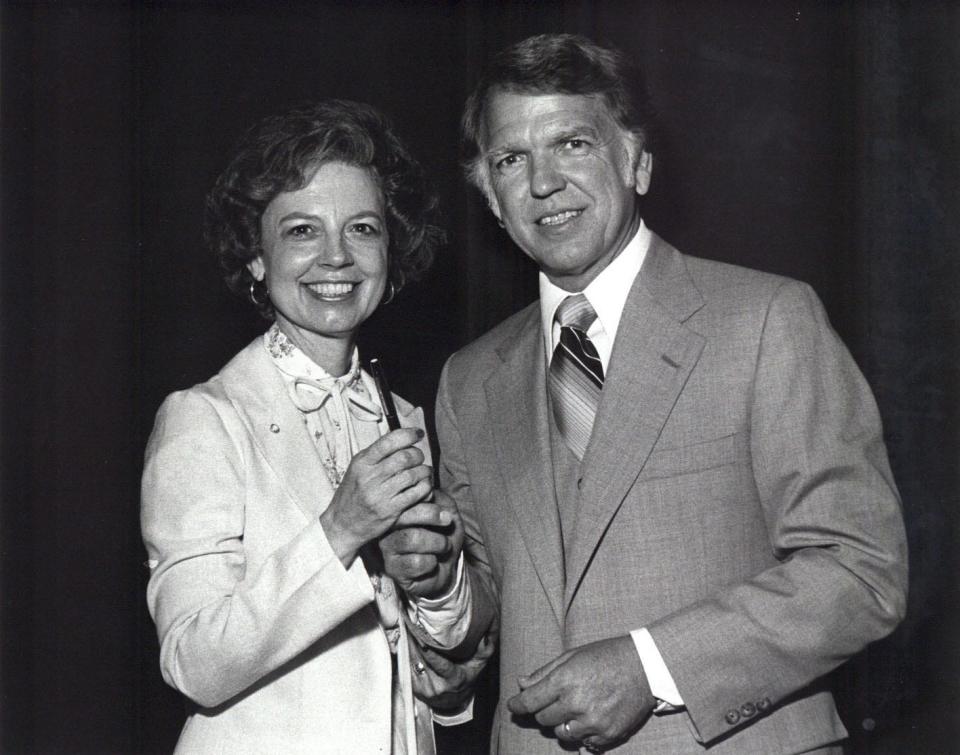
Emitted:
<point x="607" y="294"/>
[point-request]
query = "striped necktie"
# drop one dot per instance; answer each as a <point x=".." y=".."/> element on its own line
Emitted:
<point x="576" y="374"/>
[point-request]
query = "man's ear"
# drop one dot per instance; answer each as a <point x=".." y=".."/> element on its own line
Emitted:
<point x="639" y="162"/>
<point x="494" y="205"/>
<point x="256" y="268"/>
<point x="643" y="172"/>
<point x="483" y="183"/>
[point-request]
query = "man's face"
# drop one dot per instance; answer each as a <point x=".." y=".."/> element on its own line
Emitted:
<point x="563" y="180"/>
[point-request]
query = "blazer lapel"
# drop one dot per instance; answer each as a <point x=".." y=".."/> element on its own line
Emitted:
<point x="277" y="427"/>
<point x="516" y="398"/>
<point x="653" y="355"/>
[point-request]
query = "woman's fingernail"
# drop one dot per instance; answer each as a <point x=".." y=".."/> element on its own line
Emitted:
<point x="420" y="433"/>
<point x="445" y="517"/>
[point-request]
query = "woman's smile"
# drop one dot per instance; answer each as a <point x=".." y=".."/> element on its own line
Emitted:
<point x="331" y="291"/>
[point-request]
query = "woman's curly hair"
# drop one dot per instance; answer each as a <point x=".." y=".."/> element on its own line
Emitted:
<point x="281" y="153"/>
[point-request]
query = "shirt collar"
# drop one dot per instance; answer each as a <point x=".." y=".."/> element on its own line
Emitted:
<point x="607" y="293"/>
<point x="294" y="363"/>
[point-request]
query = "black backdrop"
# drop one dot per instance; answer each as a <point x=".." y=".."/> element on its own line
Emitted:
<point x="815" y="139"/>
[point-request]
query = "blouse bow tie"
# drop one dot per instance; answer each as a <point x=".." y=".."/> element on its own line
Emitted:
<point x="308" y="395"/>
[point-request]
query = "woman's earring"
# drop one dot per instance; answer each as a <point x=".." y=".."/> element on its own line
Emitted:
<point x="390" y="294"/>
<point x="253" y="294"/>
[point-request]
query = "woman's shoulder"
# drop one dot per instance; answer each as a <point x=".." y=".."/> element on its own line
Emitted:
<point x="214" y="400"/>
<point x="210" y="393"/>
<point x="201" y="411"/>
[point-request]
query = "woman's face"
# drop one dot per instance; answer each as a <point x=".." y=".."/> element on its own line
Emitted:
<point x="325" y="257"/>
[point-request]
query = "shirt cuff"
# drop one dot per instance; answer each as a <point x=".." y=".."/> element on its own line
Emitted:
<point x="658" y="676"/>
<point x="462" y="716"/>
<point x="447" y="618"/>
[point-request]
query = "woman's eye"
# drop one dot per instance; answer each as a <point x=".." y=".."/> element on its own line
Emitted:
<point x="301" y="231"/>
<point x="365" y="229"/>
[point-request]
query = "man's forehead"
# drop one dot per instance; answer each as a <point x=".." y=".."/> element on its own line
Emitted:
<point x="509" y="115"/>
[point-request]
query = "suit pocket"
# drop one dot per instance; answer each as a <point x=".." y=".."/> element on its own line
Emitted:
<point x="696" y="457"/>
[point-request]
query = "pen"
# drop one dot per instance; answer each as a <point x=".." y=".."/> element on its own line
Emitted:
<point x="386" y="398"/>
<point x="386" y="401"/>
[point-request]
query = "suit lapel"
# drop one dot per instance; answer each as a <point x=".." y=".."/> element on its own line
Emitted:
<point x="516" y="397"/>
<point x="653" y="355"/>
<point x="257" y="390"/>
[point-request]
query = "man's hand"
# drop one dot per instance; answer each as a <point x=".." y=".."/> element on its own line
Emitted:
<point x="596" y="694"/>
<point x="444" y="684"/>
<point x="423" y="559"/>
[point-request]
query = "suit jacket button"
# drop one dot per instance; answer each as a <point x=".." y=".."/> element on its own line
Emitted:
<point x="733" y="716"/>
<point x="579" y="483"/>
<point x="763" y="705"/>
<point x="748" y="710"/>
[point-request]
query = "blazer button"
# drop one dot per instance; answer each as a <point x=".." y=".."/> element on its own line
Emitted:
<point x="763" y="705"/>
<point x="579" y="483"/>
<point x="733" y="716"/>
<point x="748" y="710"/>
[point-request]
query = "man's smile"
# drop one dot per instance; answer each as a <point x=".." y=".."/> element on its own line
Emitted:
<point x="559" y="218"/>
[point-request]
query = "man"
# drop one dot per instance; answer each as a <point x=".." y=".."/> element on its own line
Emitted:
<point x="672" y="467"/>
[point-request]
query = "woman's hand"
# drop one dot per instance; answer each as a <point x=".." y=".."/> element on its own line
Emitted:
<point x="443" y="684"/>
<point x="382" y="481"/>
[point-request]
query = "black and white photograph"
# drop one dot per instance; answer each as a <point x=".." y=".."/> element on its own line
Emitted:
<point x="452" y="378"/>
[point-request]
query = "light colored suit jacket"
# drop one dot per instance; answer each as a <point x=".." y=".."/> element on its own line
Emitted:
<point x="277" y="645"/>
<point x="735" y="499"/>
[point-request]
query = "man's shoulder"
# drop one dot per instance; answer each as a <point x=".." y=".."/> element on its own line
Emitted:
<point x="730" y="290"/>
<point x="715" y="278"/>
<point x="484" y="352"/>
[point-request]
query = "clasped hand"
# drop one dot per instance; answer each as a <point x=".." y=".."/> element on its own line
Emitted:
<point x="420" y="555"/>
<point x="598" y="690"/>
<point x="445" y="684"/>
<point x="384" y="481"/>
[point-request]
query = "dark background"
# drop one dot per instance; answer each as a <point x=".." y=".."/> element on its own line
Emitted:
<point x="815" y="139"/>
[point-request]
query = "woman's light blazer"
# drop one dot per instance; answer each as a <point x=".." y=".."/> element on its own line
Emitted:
<point x="276" y="644"/>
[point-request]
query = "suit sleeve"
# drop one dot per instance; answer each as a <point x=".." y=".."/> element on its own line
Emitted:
<point x="835" y="527"/>
<point x="224" y="624"/>
<point x="455" y="481"/>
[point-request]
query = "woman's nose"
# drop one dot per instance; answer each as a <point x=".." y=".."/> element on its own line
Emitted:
<point x="545" y="178"/>
<point x="335" y="254"/>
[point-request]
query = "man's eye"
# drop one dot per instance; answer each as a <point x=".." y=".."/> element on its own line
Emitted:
<point x="508" y="161"/>
<point x="576" y="143"/>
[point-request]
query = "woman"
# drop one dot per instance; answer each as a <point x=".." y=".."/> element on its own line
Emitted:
<point x="262" y="485"/>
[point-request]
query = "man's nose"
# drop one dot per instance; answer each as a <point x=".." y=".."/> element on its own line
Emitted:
<point x="545" y="177"/>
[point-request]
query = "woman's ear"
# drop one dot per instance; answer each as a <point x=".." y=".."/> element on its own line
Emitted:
<point x="256" y="268"/>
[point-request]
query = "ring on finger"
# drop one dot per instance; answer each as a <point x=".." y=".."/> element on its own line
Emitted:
<point x="566" y="728"/>
<point x="419" y="667"/>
